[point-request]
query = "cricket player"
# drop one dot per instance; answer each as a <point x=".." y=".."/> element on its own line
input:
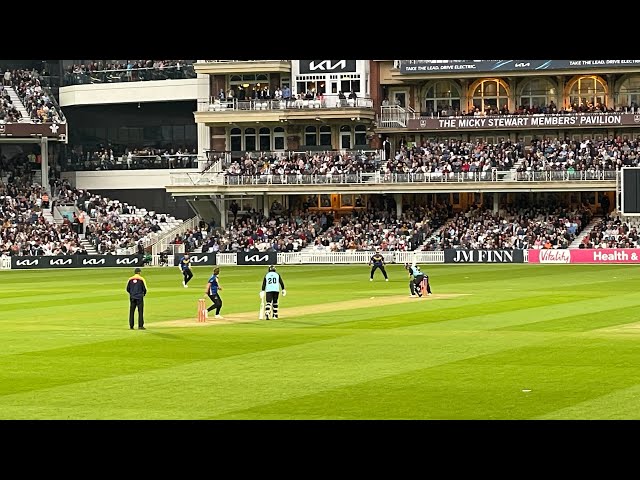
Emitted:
<point x="377" y="260"/>
<point x="185" y="267"/>
<point x="416" y="277"/>
<point x="271" y="285"/>
<point x="212" y="290"/>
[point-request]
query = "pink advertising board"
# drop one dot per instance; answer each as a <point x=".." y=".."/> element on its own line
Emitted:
<point x="593" y="255"/>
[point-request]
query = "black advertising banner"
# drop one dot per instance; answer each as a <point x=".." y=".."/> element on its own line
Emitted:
<point x="30" y="130"/>
<point x="76" y="261"/>
<point x="55" y="261"/>
<point x="472" y="66"/>
<point x="483" y="256"/>
<point x="321" y="66"/>
<point x="257" y="258"/>
<point x="574" y="120"/>
<point x="197" y="259"/>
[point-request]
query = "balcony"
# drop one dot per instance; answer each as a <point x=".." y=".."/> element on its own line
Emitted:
<point x="490" y="181"/>
<point x="230" y="67"/>
<point x="328" y="108"/>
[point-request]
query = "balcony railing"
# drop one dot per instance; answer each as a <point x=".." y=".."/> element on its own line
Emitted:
<point x="216" y="105"/>
<point x="374" y="178"/>
<point x="136" y="162"/>
<point x="130" y="75"/>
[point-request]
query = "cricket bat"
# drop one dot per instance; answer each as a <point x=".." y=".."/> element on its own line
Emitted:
<point x="261" y="312"/>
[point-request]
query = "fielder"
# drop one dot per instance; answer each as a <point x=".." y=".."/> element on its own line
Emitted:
<point x="212" y="291"/>
<point x="377" y="262"/>
<point x="185" y="268"/>
<point x="271" y="285"/>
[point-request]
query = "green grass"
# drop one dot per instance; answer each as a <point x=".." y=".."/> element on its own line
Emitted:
<point x="565" y="332"/>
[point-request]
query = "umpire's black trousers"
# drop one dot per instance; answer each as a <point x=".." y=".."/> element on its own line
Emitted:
<point x="139" y="304"/>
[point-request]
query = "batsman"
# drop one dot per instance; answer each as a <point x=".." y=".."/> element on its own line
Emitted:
<point x="416" y="279"/>
<point x="271" y="285"/>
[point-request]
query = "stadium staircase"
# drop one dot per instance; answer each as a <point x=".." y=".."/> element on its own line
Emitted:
<point x="17" y="103"/>
<point x="87" y="245"/>
<point x="587" y="230"/>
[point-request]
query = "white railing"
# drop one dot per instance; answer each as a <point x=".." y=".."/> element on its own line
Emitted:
<point x="5" y="263"/>
<point x="226" y="258"/>
<point x="327" y="101"/>
<point x="304" y="258"/>
<point x="372" y="178"/>
<point x="392" y="116"/>
<point x="161" y="242"/>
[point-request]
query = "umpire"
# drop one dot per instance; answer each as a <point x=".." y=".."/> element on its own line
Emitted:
<point x="137" y="289"/>
<point x="377" y="260"/>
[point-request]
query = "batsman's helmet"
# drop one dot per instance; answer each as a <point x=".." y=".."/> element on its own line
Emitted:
<point x="272" y="268"/>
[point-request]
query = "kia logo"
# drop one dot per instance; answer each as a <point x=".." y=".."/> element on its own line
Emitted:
<point x="522" y="65"/>
<point x="93" y="261"/>
<point x="60" y="261"/>
<point x="204" y="258"/>
<point x="27" y="263"/>
<point x="126" y="261"/>
<point x="327" y="65"/>
<point x="256" y="258"/>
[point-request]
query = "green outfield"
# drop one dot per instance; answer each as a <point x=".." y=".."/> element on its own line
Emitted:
<point x="493" y="342"/>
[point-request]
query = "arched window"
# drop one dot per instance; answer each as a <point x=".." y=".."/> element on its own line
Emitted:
<point x="441" y="96"/>
<point x="278" y="138"/>
<point x="345" y="137"/>
<point x="265" y="139"/>
<point x="538" y="92"/>
<point x="325" y="136"/>
<point x="629" y="93"/>
<point x="311" y="136"/>
<point x="490" y="94"/>
<point x="360" y="138"/>
<point x="586" y="93"/>
<point x="250" y="139"/>
<point x="235" y="137"/>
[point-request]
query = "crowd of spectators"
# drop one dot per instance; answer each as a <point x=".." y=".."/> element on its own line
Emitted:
<point x="25" y="231"/>
<point x="8" y="111"/>
<point x="39" y="105"/>
<point x="307" y="163"/>
<point x="448" y="158"/>
<point x="139" y="158"/>
<point x="526" y="227"/>
<point x="375" y="229"/>
<point x="111" y="225"/>
<point x="108" y="71"/>
<point x="288" y="231"/>
<point x="611" y="232"/>
<point x="572" y="156"/>
<point x="454" y="156"/>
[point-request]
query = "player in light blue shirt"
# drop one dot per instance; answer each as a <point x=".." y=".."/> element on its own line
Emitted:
<point x="271" y="285"/>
